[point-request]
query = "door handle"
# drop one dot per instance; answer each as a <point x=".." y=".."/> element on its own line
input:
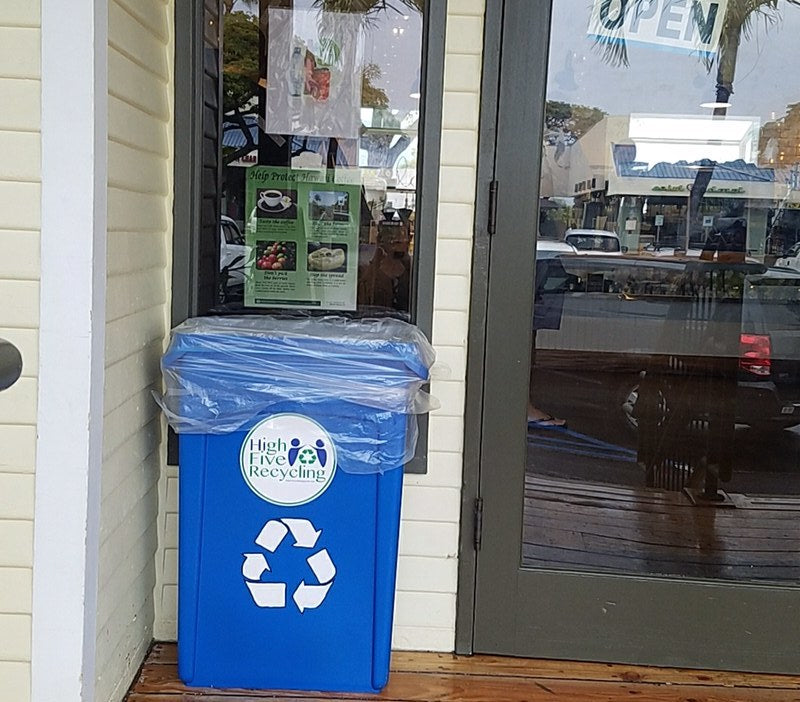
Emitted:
<point x="10" y="364"/>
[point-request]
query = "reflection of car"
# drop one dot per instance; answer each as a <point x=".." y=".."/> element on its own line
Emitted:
<point x="593" y="241"/>
<point x="232" y="252"/>
<point x="549" y="248"/>
<point x="621" y="316"/>
<point x="791" y="259"/>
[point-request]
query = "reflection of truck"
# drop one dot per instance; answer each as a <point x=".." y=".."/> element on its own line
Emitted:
<point x="624" y="315"/>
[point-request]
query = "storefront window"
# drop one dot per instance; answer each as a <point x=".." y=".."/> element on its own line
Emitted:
<point x="322" y="105"/>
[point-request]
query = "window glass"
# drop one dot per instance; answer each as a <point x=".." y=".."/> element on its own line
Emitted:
<point x="321" y="103"/>
<point x="664" y="395"/>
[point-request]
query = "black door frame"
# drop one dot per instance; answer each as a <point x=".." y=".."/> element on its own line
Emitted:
<point x="584" y="616"/>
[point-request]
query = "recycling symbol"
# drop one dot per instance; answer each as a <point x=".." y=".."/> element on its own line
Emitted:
<point x="307" y="456"/>
<point x="273" y="594"/>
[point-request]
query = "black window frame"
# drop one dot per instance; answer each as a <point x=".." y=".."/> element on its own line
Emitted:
<point x="198" y="175"/>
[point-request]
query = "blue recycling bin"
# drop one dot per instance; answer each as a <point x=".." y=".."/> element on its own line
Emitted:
<point x="291" y="454"/>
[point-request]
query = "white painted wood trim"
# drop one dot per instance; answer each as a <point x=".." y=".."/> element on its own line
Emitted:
<point x="71" y="348"/>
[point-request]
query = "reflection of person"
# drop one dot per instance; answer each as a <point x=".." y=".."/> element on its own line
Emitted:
<point x="687" y="397"/>
<point x="729" y="242"/>
<point x="539" y="418"/>
<point x="548" y="303"/>
<point x="385" y="280"/>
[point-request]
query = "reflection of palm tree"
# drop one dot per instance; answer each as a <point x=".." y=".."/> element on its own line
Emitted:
<point x="368" y="7"/>
<point x="739" y="22"/>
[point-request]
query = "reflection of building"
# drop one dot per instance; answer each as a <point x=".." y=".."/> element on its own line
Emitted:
<point x="779" y="142"/>
<point x="633" y="175"/>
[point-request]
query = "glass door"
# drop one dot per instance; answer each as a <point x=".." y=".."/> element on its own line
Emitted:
<point x="640" y="460"/>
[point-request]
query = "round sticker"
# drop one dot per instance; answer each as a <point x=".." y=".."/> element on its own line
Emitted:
<point x="288" y="459"/>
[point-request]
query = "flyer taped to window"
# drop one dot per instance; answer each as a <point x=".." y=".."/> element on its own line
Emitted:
<point x="302" y="233"/>
<point x="314" y="67"/>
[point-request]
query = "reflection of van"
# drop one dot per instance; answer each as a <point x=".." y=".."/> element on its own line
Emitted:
<point x="623" y="315"/>
<point x="232" y="252"/>
<point x="593" y="241"/>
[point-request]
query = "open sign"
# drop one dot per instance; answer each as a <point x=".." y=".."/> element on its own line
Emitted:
<point x="692" y="26"/>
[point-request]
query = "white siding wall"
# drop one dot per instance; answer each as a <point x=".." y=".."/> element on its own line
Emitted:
<point x="427" y="575"/>
<point x="139" y="240"/>
<point x="20" y="110"/>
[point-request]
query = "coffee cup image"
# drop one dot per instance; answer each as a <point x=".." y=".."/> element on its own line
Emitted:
<point x="325" y="259"/>
<point x="270" y="198"/>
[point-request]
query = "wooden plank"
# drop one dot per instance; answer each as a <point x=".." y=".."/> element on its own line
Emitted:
<point x="677" y="523"/>
<point x="666" y="532"/>
<point x="706" y="550"/>
<point x="730" y="518"/>
<point x="703" y="549"/>
<point x="544" y="484"/>
<point x="612" y="494"/>
<point x="620" y="492"/>
<point x="435" y="663"/>
<point x="428" y="663"/>
<point x="162" y="652"/>
<point x="448" y="687"/>
<point x="580" y="560"/>
<point x="221" y="697"/>
<point x="753" y="518"/>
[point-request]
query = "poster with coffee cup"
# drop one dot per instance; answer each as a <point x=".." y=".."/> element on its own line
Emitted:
<point x="302" y="230"/>
<point x="314" y="61"/>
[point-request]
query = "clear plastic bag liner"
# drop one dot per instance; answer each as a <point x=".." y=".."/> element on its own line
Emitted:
<point x="223" y="374"/>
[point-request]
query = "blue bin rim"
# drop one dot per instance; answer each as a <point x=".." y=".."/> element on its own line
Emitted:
<point x="366" y="339"/>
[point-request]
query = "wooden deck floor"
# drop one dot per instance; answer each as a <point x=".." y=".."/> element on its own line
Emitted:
<point x="608" y="528"/>
<point x="432" y="677"/>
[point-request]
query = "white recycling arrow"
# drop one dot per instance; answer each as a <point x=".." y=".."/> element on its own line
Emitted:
<point x="309" y="596"/>
<point x="303" y="532"/>
<point x="254" y="566"/>
<point x="268" y="594"/>
<point x="273" y="594"/>
<point x="271" y="535"/>
<point x="322" y="566"/>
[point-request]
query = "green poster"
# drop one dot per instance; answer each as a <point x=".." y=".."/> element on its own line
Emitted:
<point x="302" y="232"/>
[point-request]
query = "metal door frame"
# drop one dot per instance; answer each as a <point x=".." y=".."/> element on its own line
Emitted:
<point x="502" y="608"/>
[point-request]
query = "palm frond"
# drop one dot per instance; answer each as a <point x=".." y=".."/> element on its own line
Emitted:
<point x="613" y="48"/>
<point x="742" y="20"/>
<point x="369" y="8"/>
